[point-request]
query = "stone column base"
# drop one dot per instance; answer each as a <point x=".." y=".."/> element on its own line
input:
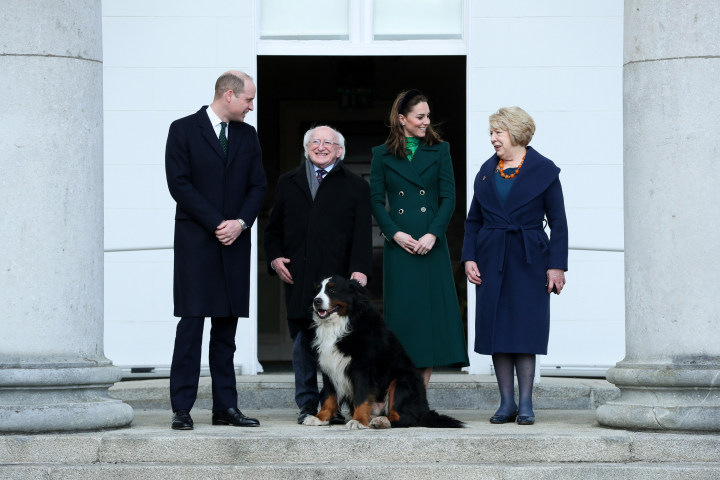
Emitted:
<point x="60" y="399"/>
<point x="662" y="397"/>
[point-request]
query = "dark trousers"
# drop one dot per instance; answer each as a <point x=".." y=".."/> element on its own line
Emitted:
<point x="305" y="367"/>
<point x="185" y="368"/>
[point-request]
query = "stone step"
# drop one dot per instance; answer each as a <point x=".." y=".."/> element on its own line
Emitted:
<point x="447" y="391"/>
<point x="395" y="471"/>
<point x="561" y="437"/>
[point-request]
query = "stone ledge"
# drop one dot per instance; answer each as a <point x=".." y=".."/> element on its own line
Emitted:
<point x="571" y="437"/>
<point x="439" y="471"/>
<point x="447" y="391"/>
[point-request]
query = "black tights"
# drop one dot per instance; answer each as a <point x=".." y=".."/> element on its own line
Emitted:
<point x="524" y="365"/>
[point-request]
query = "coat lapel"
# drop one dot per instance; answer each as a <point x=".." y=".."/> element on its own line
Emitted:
<point x="486" y="190"/>
<point x="234" y="140"/>
<point x="424" y="157"/>
<point x="209" y="133"/>
<point x="403" y="168"/>
<point x="301" y="179"/>
<point x="536" y="175"/>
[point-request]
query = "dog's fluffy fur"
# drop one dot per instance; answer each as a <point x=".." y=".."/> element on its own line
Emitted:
<point x="364" y="365"/>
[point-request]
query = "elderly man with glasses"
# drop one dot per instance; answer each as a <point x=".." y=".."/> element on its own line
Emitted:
<point x="320" y="225"/>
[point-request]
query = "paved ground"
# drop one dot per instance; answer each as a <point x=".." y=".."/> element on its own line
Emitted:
<point x="562" y="445"/>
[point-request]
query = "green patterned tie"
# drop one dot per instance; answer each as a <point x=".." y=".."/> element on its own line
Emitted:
<point x="223" y="138"/>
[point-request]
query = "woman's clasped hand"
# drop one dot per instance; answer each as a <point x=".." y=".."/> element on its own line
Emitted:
<point x="412" y="246"/>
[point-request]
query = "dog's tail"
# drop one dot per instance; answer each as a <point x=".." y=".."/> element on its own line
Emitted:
<point x="433" y="419"/>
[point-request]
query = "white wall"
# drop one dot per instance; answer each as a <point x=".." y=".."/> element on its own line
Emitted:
<point x="161" y="60"/>
<point x="561" y="61"/>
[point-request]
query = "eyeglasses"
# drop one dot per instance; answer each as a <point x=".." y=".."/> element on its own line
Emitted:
<point x="327" y="143"/>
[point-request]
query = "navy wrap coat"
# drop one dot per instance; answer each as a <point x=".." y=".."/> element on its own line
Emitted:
<point x="513" y="254"/>
<point x="210" y="279"/>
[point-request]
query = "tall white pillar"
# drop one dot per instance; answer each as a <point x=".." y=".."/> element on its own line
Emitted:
<point x="53" y="374"/>
<point x="670" y="376"/>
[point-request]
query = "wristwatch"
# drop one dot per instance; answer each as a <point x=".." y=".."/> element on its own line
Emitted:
<point x="243" y="225"/>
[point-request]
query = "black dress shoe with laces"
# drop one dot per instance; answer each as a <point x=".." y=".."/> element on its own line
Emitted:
<point x="306" y="410"/>
<point x="182" y="420"/>
<point x="338" y="419"/>
<point x="234" y="417"/>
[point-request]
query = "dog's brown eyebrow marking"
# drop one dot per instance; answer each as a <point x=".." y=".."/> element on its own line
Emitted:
<point x="330" y="285"/>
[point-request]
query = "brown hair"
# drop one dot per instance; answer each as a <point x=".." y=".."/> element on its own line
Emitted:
<point x="395" y="143"/>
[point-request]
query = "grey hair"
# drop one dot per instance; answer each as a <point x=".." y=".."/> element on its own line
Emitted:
<point x="341" y="139"/>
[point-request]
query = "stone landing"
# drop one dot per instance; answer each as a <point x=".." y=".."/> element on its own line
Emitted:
<point x="562" y="445"/>
<point x="447" y="391"/>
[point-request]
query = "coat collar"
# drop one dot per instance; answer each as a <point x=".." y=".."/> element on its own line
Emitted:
<point x="300" y="176"/>
<point x="234" y="136"/>
<point x="234" y="140"/>
<point x="421" y="160"/>
<point x="208" y="132"/>
<point x="536" y="176"/>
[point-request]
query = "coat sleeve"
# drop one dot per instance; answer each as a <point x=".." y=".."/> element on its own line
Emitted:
<point x="256" y="187"/>
<point x="274" y="231"/>
<point x="179" y="179"/>
<point x="361" y="250"/>
<point x="446" y="195"/>
<point x="473" y="224"/>
<point x="377" y="198"/>
<point x="554" y="205"/>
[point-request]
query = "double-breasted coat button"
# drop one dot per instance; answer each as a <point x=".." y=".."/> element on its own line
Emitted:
<point x="422" y="192"/>
<point x="422" y="209"/>
<point x="401" y="211"/>
<point x="402" y="194"/>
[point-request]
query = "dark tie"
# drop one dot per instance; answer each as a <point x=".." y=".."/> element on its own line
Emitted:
<point x="320" y="175"/>
<point x="223" y="138"/>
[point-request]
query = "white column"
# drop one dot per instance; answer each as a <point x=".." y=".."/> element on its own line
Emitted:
<point x="53" y="374"/>
<point x="670" y="376"/>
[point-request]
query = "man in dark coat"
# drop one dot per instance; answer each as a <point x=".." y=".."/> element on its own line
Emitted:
<point x="214" y="172"/>
<point x="320" y="225"/>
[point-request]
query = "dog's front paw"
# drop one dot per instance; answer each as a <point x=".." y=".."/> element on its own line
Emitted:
<point x="354" y="425"/>
<point x="313" y="421"/>
<point x="380" y="422"/>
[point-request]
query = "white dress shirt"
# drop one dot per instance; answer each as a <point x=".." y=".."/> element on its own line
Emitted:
<point x="215" y="121"/>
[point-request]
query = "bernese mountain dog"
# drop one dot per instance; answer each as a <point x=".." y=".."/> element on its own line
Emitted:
<point x="364" y="365"/>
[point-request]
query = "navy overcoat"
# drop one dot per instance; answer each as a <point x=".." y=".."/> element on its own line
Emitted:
<point x="513" y="254"/>
<point x="210" y="279"/>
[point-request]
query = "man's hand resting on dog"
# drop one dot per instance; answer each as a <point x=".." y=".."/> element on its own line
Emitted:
<point x="279" y="266"/>
<point x="360" y="277"/>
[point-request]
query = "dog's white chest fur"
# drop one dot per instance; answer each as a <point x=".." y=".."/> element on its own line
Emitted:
<point x="332" y="362"/>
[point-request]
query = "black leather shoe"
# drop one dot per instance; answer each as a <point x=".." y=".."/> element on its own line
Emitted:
<point x="306" y="410"/>
<point x="526" y="419"/>
<point x="234" y="417"/>
<point x="338" y="419"/>
<point x="182" y="420"/>
<point x="504" y="418"/>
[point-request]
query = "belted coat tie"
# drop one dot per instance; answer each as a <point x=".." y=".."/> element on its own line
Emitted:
<point x="513" y="254"/>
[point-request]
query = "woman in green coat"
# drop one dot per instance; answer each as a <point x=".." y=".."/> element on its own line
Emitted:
<point x="413" y="170"/>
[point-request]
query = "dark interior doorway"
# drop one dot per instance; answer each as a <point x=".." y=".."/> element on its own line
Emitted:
<point x="353" y="95"/>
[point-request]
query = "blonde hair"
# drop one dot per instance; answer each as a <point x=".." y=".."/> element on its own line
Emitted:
<point x="518" y="123"/>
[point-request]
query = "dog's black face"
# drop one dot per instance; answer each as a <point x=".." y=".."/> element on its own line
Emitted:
<point x="335" y="296"/>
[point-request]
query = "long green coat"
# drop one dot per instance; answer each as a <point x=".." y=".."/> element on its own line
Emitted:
<point x="419" y="297"/>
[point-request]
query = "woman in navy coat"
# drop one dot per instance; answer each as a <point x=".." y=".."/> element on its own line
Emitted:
<point x="511" y="261"/>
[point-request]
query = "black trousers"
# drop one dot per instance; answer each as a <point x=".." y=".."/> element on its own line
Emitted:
<point x="185" y="368"/>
